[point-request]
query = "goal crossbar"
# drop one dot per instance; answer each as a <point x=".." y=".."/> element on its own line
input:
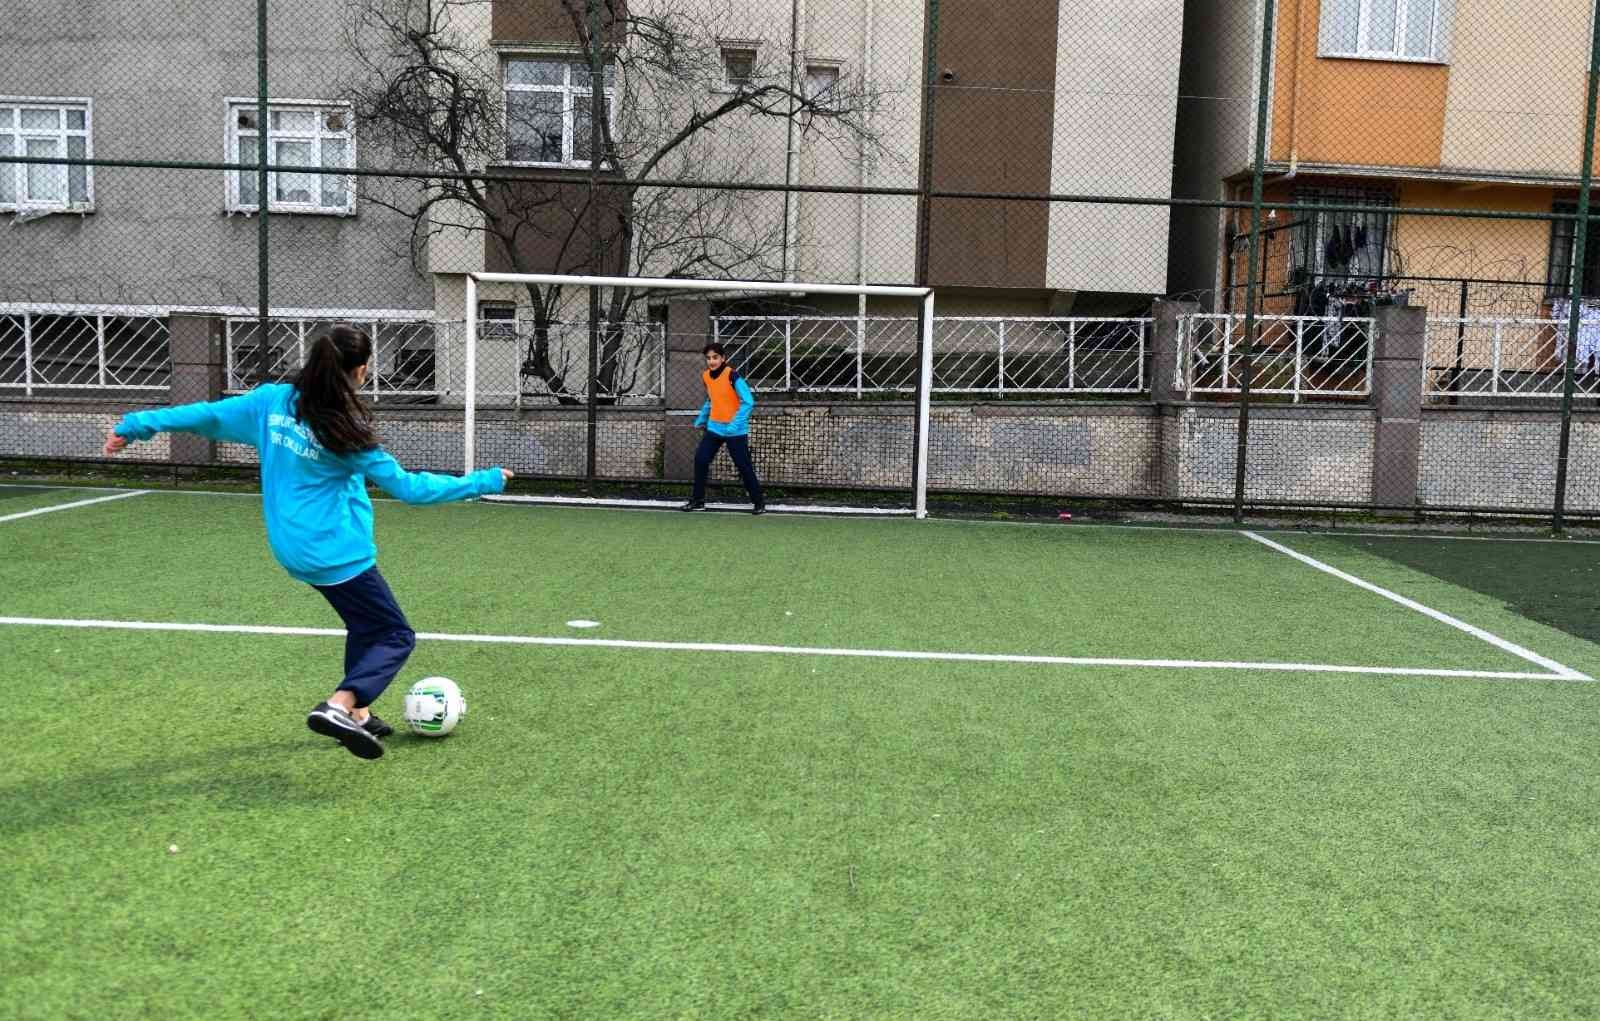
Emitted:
<point x="925" y="361"/>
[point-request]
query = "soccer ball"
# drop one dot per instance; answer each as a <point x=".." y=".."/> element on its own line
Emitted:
<point x="434" y="706"/>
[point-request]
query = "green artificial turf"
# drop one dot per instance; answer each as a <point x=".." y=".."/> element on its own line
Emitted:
<point x="618" y="833"/>
<point x="1555" y="583"/>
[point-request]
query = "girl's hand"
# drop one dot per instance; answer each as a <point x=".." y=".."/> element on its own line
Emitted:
<point x="114" y="444"/>
<point x="507" y="475"/>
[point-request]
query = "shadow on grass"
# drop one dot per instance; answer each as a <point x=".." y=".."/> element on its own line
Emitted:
<point x="1556" y="584"/>
<point x="230" y="778"/>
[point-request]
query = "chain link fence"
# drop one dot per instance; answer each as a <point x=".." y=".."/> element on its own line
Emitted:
<point x="1261" y="254"/>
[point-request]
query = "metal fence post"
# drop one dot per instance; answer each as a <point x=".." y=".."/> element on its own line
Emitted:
<point x="1072" y="353"/>
<point x="1580" y="240"/>
<point x="263" y="200"/>
<point x="1257" y="187"/>
<point x="1494" y="381"/>
<point x="1002" y="380"/>
<point x="1372" y="355"/>
<point x="1227" y="353"/>
<point x="100" y="348"/>
<point x="788" y="337"/>
<point x="470" y="419"/>
<point x="1461" y="344"/>
<point x="27" y="353"/>
<point x="1299" y="355"/>
<point x="1144" y="336"/>
<point x="597" y="114"/>
<point x="861" y="343"/>
<point x="1186" y="352"/>
<point x="377" y="354"/>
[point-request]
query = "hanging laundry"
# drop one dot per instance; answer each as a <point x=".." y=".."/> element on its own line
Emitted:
<point x="1588" y="332"/>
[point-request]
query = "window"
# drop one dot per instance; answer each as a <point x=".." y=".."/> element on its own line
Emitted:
<point x="738" y="66"/>
<point x="497" y="321"/>
<point x="1338" y="249"/>
<point x="1387" y="29"/>
<point x="298" y="135"/>
<point x="822" y="81"/>
<point x="45" y="128"/>
<point x="1558" y="275"/>
<point x="548" y="104"/>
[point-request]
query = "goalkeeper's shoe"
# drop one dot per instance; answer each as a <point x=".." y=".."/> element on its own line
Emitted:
<point x="694" y="505"/>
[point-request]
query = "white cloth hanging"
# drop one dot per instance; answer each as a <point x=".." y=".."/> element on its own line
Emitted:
<point x="1588" y="330"/>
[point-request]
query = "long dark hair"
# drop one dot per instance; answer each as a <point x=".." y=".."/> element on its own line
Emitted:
<point x="328" y="401"/>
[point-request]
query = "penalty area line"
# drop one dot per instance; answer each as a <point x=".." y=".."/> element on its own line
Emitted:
<point x="801" y="650"/>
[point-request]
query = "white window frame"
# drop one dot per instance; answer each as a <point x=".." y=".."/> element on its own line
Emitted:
<point x="20" y="170"/>
<point x="821" y="64"/>
<point x="723" y="46"/>
<point x="232" y="135"/>
<point x="569" y="94"/>
<point x="1438" y="43"/>
<point x="499" y="325"/>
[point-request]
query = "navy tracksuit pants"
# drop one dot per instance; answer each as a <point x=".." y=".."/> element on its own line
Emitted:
<point x="739" y="450"/>
<point x="378" y="640"/>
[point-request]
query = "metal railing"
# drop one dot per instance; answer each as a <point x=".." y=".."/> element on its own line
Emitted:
<point x="863" y="355"/>
<point x="1294" y="356"/>
<point x="1507" y="359"/>
<point x="409" y="358"/>
<point x="43" y="348"/>
<point x="520" y="367"/>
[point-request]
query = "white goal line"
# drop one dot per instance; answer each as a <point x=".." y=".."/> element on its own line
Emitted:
<point x="814" y="651"/>
<point x="808" y="510"/>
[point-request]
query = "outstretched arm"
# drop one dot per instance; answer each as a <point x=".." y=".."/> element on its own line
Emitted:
<point x="233" y="420"/>
<point x="426" y="487"/>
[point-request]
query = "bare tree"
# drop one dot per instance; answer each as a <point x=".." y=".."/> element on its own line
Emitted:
<point x="431" y="96"/>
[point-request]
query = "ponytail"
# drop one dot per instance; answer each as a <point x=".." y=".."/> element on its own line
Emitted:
<point x="328" y="401"/>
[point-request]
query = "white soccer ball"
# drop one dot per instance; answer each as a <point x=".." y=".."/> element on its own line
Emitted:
<point x="434" y="706"/>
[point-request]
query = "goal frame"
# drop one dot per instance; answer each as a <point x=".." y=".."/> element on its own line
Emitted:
<point x="924" y="360"/>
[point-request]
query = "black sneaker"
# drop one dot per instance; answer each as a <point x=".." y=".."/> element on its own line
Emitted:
<point x="376" y="727"/>
<point x="759" y="508"/>
<point x="331" y="721"/>
<point x="694" y="505"/>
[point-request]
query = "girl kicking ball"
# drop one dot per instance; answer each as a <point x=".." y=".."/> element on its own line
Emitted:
<point x="318" y="445"/>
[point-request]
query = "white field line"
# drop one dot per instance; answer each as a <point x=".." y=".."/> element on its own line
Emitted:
<point x="795" y="650"/>
<point x="621" y="502"/>
<point x="1557" y="669"/>
<point x="69" y="506"/>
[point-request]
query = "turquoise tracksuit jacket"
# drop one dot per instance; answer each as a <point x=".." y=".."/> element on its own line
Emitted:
<point x="319" y="519"/>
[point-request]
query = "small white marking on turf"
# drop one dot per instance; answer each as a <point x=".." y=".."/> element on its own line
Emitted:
<point x="584" y="624"/>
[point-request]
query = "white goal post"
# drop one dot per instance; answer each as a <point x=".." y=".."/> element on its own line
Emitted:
<point x="925" y="361"/>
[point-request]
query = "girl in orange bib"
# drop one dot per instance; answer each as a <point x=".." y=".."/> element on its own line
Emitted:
<point x="725" y="417"/>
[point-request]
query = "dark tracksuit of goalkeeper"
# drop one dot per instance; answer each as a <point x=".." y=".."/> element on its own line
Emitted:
<point x="725" y="416"/>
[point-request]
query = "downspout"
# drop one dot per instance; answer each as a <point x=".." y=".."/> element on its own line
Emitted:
<point x="863" y="175"/>
<point x="1294" y="104"/>
<point x="791" y="201"/>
